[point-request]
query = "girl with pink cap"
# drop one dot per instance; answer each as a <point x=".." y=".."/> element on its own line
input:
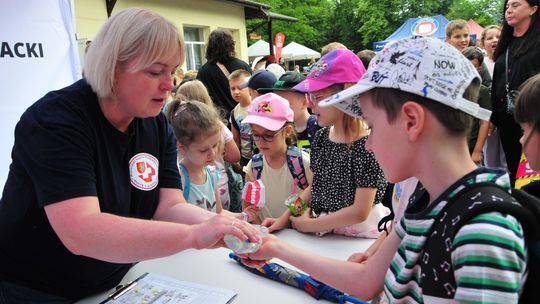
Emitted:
<point x="348" y="184"/>
<point x="283" y="169"/>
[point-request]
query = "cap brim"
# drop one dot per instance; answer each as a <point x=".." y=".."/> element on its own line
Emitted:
<point x="265" y="122"/>
<point x="348" y="100"/>
<point x="243" y="85"/>
<point x="310" y="85"/>
<point x="265" y="90"/>
<point x="268" y="90"/>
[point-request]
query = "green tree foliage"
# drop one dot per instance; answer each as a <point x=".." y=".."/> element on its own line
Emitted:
<point x="484" y="12"/>
<point x="359" y="23"/>
<point x="344" y="23"/>
<point x="380" y="18"/>
<point x="310" y="30"/>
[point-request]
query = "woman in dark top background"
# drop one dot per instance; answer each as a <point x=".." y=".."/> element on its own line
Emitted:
<point x="220" y="51"/>
<point x="520" y="37"/>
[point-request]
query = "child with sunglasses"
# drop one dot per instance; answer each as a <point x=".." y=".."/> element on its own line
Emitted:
<point x="271" y="120"/>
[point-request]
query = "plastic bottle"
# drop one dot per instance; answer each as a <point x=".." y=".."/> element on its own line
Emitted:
<point x="242" y="247"/>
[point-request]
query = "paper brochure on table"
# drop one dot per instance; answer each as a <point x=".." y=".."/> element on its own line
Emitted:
<point x="157" y="289"/>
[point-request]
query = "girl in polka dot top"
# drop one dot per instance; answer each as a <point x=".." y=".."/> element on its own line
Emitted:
<point x="348" y="184"/>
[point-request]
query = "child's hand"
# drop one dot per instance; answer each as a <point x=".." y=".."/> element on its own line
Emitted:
<point x="275" y="224"/>
<point x="268" y="222"/>
<point x="252" y="263"/>
<point x="252" y="212"/>
<point x="477" y="157"/>
<point x="491" y="128"/>
<point x="359" y="257"/>
<point x="268" y="250"/>
<point x="301" y="223"/>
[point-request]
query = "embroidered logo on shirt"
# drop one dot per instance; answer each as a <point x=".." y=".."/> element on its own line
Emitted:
<point x="143" y="171"/>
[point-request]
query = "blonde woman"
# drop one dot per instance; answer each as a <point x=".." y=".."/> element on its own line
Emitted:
<point x="94" y="186"/>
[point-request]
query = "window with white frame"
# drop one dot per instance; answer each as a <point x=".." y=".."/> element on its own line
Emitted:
<point x="193" y="37"/>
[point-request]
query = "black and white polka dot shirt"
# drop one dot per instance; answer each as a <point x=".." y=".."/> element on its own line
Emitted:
<point x="339" y="169"/>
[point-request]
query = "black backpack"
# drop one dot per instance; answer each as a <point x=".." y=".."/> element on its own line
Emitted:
<point x="475" y="200"/>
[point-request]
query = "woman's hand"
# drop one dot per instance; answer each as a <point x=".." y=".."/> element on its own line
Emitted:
<point x="210" y="233"/>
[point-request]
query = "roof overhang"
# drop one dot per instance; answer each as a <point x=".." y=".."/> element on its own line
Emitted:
<point x="252" y="10"/>
<point x="256" y="10"/>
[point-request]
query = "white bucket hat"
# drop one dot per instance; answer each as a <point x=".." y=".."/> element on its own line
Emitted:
<point x="423" y="66"/>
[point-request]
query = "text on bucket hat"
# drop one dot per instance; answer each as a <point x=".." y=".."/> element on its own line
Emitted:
<point x="285" y="83"/>
<point x="424" y="66"/>
<point x="270" y="111"/>
<point x="259" y="79"/>
<point x="338" y="66"/>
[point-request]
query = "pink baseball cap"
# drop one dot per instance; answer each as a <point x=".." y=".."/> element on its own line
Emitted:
<point x="269" y="111"/>
<point x="338" y="66"/>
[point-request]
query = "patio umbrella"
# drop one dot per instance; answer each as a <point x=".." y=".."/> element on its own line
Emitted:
<point x="300" y="280"/>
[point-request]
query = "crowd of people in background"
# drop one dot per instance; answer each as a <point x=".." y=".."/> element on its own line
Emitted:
<point x="342" y="146"/>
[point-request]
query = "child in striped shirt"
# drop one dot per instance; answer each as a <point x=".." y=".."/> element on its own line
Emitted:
<point x="418" y="97"/>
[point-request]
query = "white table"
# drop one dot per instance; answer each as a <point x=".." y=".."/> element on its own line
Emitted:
<point x="213" y="267"/>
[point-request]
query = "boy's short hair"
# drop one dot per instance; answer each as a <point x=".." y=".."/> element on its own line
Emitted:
<point x="473" y="52"/>
<point x="366" y="56"/>
<point x="128" y="34"/>
<point x="428" y="70"/>
<point x="453" y="25"/>
<point x="239" y="74"/>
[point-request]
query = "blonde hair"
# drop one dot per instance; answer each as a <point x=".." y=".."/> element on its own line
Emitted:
<point x="192" y="120"/>
<point x="191" y="74"/>
<point x="486" y="29"/>
<point x="131" y="33"/>
<point x="332" y="46"/>
<point x="236" y="75"/>
<point x="195" y="90"/>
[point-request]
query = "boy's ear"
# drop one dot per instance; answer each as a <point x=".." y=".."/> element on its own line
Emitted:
<point x="413" y="115"/>
<point x="305" y="100"/>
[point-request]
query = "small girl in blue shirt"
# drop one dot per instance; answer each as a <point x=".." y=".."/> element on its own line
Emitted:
<point x="197" y="128"/>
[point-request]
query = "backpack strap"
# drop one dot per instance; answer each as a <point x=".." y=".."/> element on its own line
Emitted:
<point x="185" y="180"/>
<point x="296" y="166"/>
<point x="257" y="165"/>
<point x="184" y="174"/>
<point x="478" y="199"/>
<point x="213" y="174"/>
<point x="294" y="163"/>
<point x="312" y="127"/>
